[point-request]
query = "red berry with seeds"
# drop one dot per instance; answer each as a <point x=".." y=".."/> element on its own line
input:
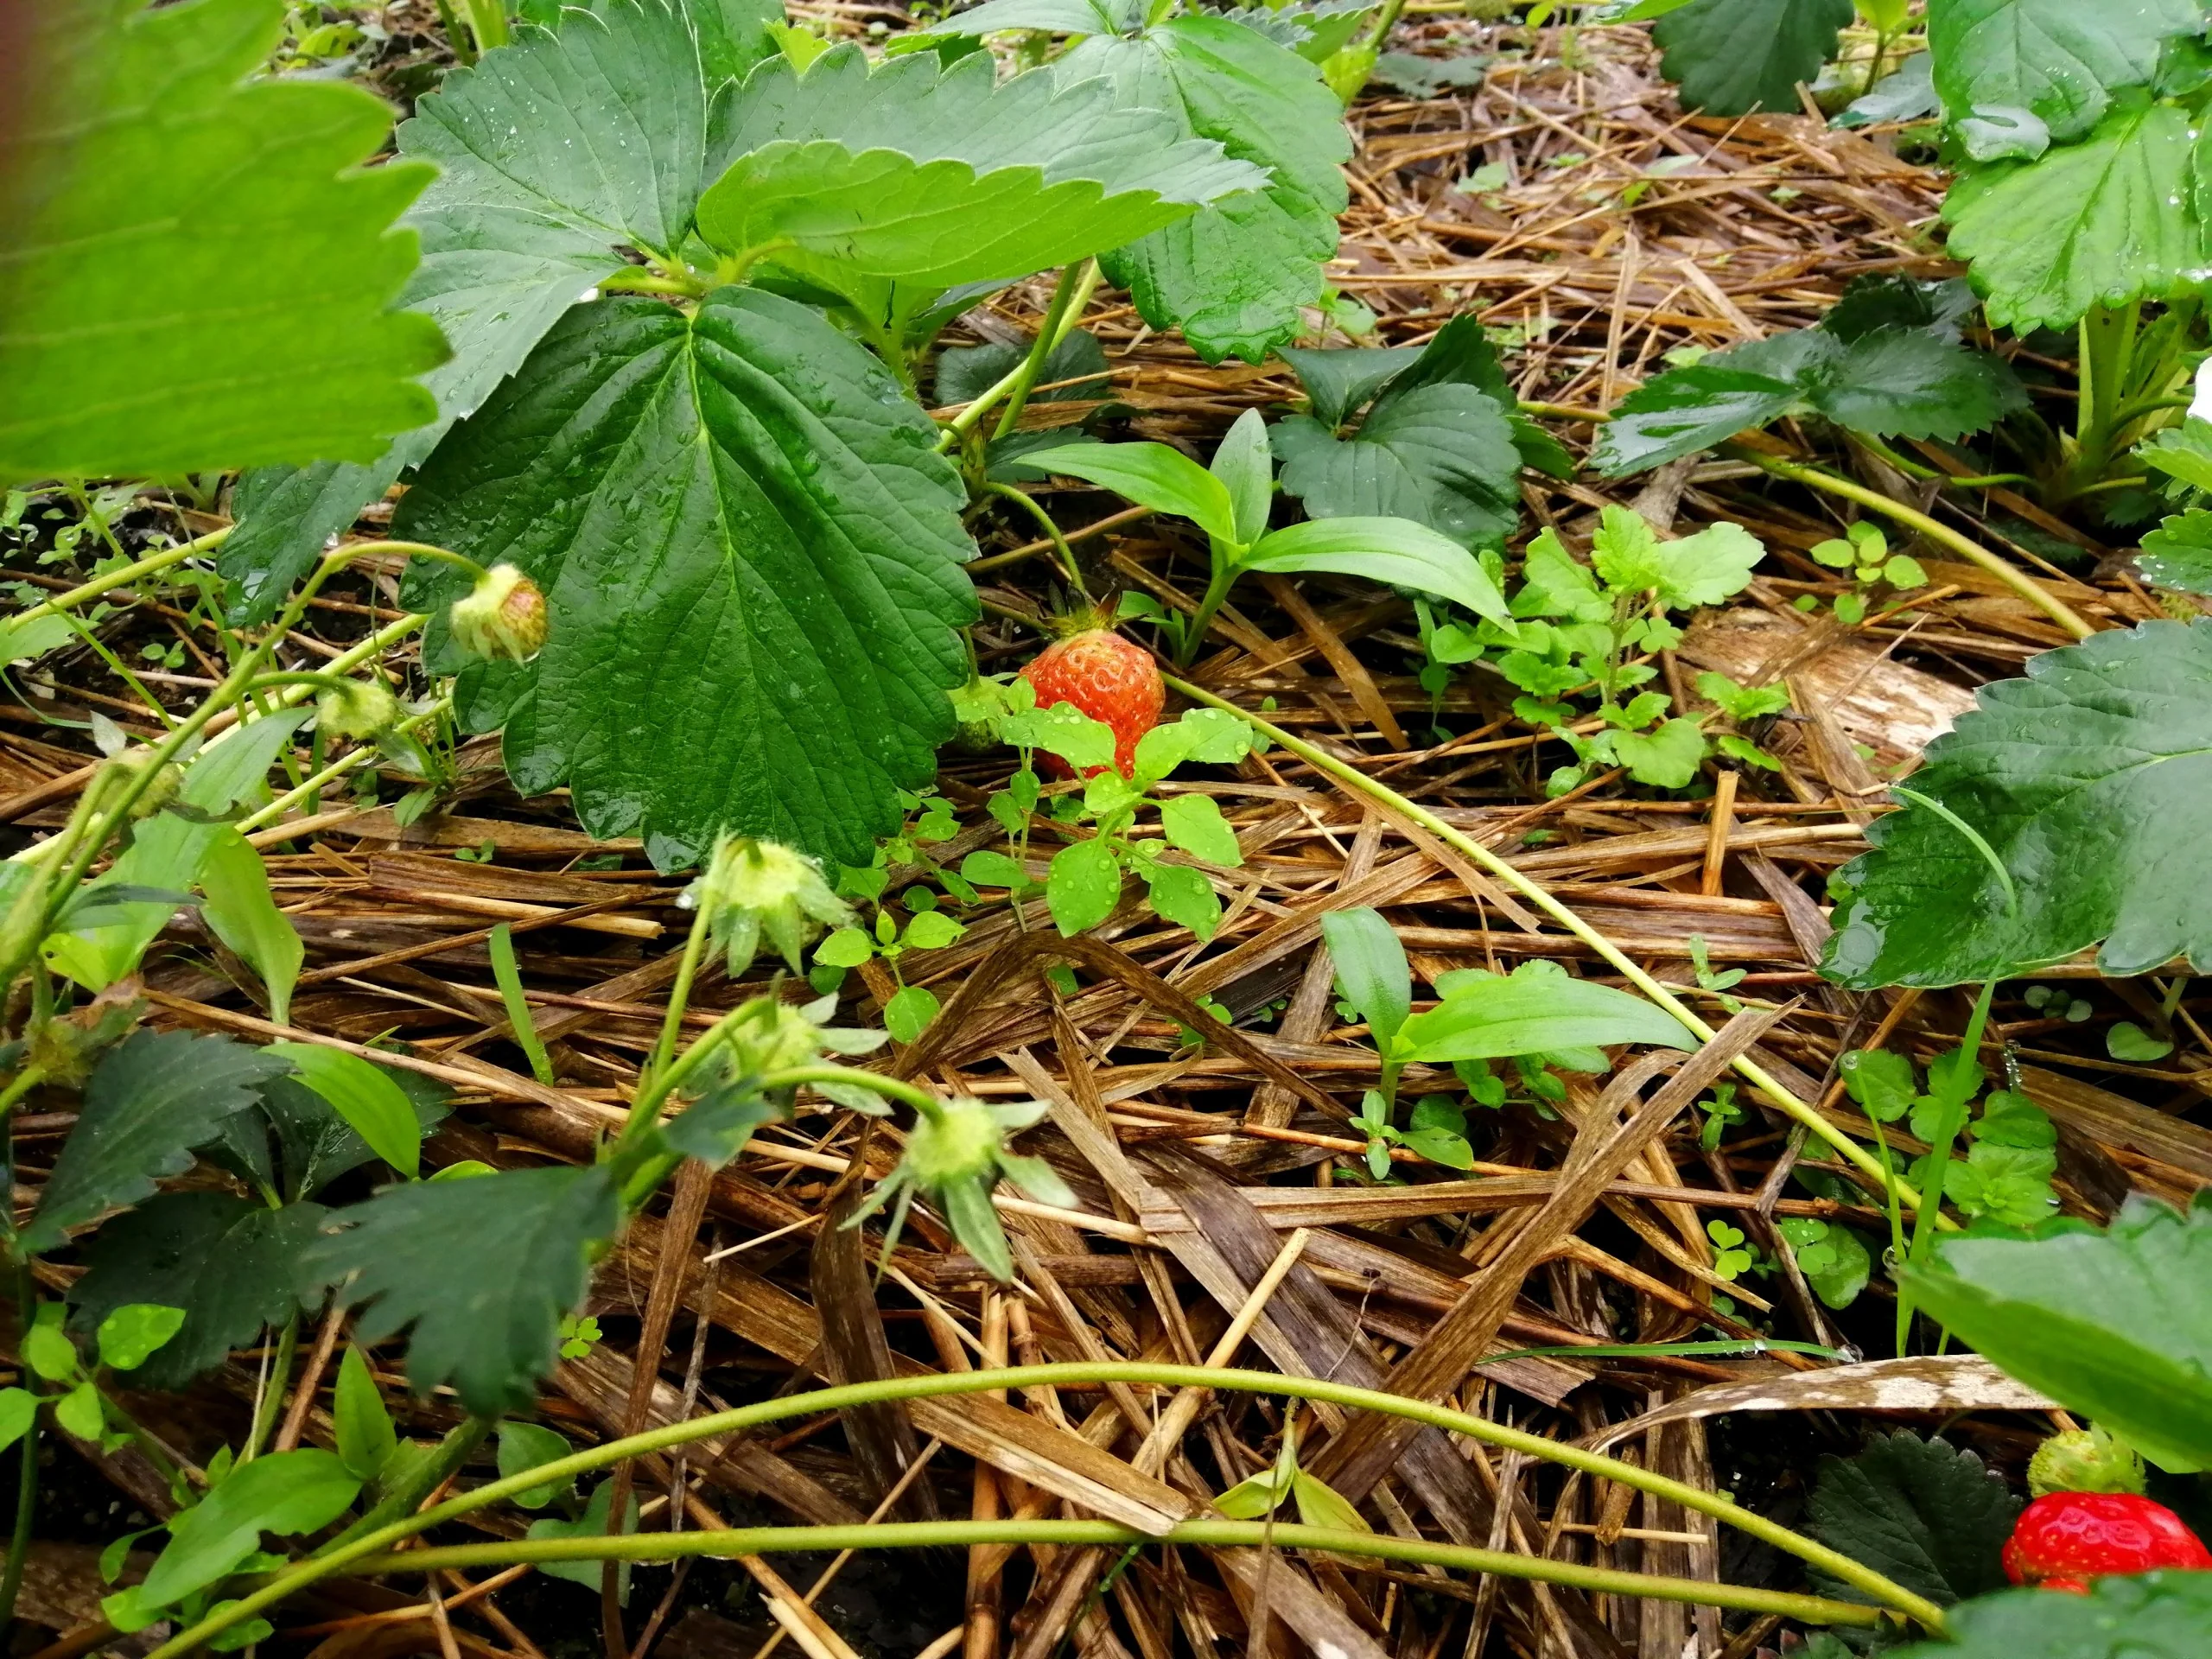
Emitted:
<point x="2064" y="1539"/>
<point x="1106" y="676"/>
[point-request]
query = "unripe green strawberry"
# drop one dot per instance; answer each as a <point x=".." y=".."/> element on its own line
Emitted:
<point x="2084" y="1460"/>
<point x="1106" y="676"/>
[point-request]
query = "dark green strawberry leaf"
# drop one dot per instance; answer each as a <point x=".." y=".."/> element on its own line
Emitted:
<point x="2109" y="220"/>
<point x="1441" y="455"/>
<point x="2085" y="781"/>
<point x="1906" y="93"/>
<point x="2116" y="1325"/>
<point x="553" y="154"/>
<point x="2177" y="555"/>
<point x="2146" y="1616"/>
<point x="965" y="372"/>
<point x="233" y="1267"/>
<point x="752" y="553"/>
<point x="2058" y="59"/>
<point x="1340" y="380"/>
<point x="482" y="1270"/>
<point x="170" y="220"/>
<point x="1420" y="77"/>
<point x="1730" y="57"/>
<point x="150" y="1102"/>
<point x="1234" y="276"/>
<point x="1856" y="369"/>
<point x="1924" y="1514"/>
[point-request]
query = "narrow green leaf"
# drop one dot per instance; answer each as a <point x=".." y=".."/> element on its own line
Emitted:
<point x="1371" y="969"/>
<point x="280" y="1492"/>
<point x="147" y="159"/>
<point x="1152" y="475"/>
<point x="147" y="1103"/>
<point x="1247" y="472"/>
<point x="1530" y="1013"/>
<point x="242" y="912"/>
<point x="375" y="1107"/>
<point x="366" y="1438"/>
<point x="1394" y="550"/>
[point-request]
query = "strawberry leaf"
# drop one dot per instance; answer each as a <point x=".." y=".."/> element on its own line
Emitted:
<point x="170" y="221"/>
<point x="746" y="492"/>
<point x="2142" y="1615"/>
<point x="2115" y="1324"/>
<point x="1730" y="57"/>
<point x="1928" y="1515"/>
<point x="552" y="154"/>
<point x="1234" y="277"/>
<point x="2058" y="60"/>
<point x="2177" y="555"/>
<point x="2083" y="781"/>
<point x="482" y="1270"/>
<point x="1441" y="455"/>
<point x="2107" y="221"/>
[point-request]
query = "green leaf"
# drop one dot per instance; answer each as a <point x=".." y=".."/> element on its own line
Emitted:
<point x="1083" y="885"/>
<point x="174" y="219"/>
<point x="1234" y="276"/>
<point x="909" y="1012"/>
<point x="746" y="492"/>
<point x="1742" y="703"/>
<point x="2124" y="1615"/>
<point x="1554" y="583"/>
<point x="1152" y="475"/>
<point x="525" y="1447"/>
<point x="1184" y="896"/>
<point x="1530" y="1013"/>
<point x="2116" y="1326"/>
<point x="373" y="1106"/>
<point x="2177" y="555"/>
<point x="79" y="1412"/>
<point x="2061" y="60"/>
<point x="1371" y="969"/>
<point x="592" y="1523"/>
<point x="714" y="1127"/>
<point x="1194" y="823"/>
<point x="1395" y="550"/>
<point x="1881" y="1081"/>
<point x="281" y="1492"/>
<point x="1667" y="758"/>
<point x="1926" y="1514"/>
<point x="129" y="1336"/>
<point x="553" y="154"/>
<point x="1241" y="461"/>
<point x="48" y="1350"/>
<point x="366" y="1439"/>
<point x="1339" y="381"/>
<point x="934" y="175"/>
<point x="965" y="372"/>
<point x="234" y="766"/>
<point x="1701" y="570"/>
<point x="1843" y="1266"/>
<point x="2125" y="1041"/>
<point x="1730" y="57"/>
<point x="163" y="855"/>
<point x="148" y="1103"/>
<point x="2183" y="452"/>
<point x="241" y="911"/>
<point x="234" y="1265"/>
<point x="1320" y="1504"/>
<point x="2093" y="765"/>
<point x="483" y="1270"/>
<point x="2107" y="221"/>
<point x="18" y="1411"/>
<point x="1906" y="93"/>
<point x="1441" y="455"/>
<point x="317" y="1144"/>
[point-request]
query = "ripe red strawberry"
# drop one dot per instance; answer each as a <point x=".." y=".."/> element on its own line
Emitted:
<point x="2064" y="1539"/>
<point x="1106" y="676"/>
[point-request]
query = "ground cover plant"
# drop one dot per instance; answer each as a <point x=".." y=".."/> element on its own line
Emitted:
<point x="1289" y="813"/>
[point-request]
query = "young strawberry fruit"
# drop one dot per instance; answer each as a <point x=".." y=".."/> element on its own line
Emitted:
<point x="2064" y="1539"/>
<point x="1106" y="676"/>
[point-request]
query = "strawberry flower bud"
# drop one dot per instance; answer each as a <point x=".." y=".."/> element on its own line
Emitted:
<point x="503" y="616"/>
<point x="955" y="1156"/>
<point x="754" y="888"/>
<point x="2084" y="1460"/>
<point x="356" y="708"/>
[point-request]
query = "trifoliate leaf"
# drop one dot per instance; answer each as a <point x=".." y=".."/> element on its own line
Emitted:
<point x="171" y="220"/>
<point x="744" y="491"/>
<point x="234" y="1265"/>
<point x="2107" y="221"/>
<point x="1730" y="57"/>
<point x="2177" y="555"/>
<point x="2124" y="1615"/>
<point x="928" y="176"/>
<point x="1892" y="381"/>
<point x="2116" y="1326"/>
<point x="148" y="1103"/>
<point x="1234" y="277"/>
<point x="1926" y="1514"/>
<point x="2083" y="779"/>
<point x="482" y="1270"/>
<point x="2059" y="60"/>
<point x="553" y="154"/>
